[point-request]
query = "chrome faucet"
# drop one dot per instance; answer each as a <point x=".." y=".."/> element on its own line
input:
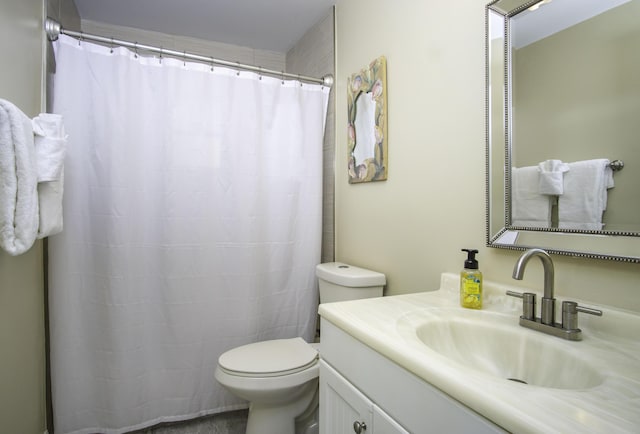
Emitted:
<point x="546" y="323"/>
<point x="548" y="310"/>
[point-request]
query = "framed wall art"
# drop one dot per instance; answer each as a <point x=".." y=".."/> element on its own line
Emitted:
<point x="367" y="142"/>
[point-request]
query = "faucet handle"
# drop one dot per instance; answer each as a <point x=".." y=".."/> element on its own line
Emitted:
<point x="570" y="311"/>
<point x="589" y="310"/>
<point x="528" y="303"/>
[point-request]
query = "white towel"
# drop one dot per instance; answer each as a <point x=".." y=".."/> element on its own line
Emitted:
<point x="18" y="181"/>
<point x="585" y="195"/>
<point x="529" y="208"/>
<point x="50" y="143"/>
<point x="552" y="177"/>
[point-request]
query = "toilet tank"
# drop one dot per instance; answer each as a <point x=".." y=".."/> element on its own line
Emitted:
<point x="342" y="282"/>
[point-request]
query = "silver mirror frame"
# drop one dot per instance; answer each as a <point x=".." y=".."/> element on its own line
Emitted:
<point x="605" y="245"/>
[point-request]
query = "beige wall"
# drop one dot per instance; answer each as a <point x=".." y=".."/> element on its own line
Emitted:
<point x="413" y="225"/>
<point x="22" y="372"/>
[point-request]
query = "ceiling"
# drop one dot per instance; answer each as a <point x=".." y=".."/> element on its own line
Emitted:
<point x="274" y="25"/>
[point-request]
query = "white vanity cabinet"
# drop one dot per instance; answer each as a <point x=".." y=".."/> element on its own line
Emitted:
<point x="345" y="410"/>
<point x="358" y="384"/>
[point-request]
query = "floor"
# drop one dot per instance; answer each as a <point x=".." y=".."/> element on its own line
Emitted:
<point x="233" y="422"/>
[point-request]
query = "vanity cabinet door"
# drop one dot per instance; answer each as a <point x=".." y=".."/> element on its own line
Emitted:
<point x="383" y="424"/>
<point x="345" y="410"/>
<point x="342" y="405"/>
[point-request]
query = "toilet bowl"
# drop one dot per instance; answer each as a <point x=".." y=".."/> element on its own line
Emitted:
<point x="279" y="377"/>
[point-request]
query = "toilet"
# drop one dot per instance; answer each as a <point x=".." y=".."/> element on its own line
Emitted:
<point x="279" y="377"/>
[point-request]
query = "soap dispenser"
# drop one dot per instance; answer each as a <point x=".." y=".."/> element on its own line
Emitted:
<point x="471" y="282"/>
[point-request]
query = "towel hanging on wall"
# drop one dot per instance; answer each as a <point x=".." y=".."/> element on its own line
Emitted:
<point x="18" y="181"/>
<point x="585" y="195"/>
<point x="50" y="143"/>
<point x="528" y="206"/>
<point x="552" y="176"/>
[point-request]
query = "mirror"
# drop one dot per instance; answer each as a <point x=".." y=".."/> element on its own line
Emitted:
<point x="562" y="84"/>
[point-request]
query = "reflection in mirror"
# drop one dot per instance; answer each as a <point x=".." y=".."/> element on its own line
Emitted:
<point x="563" y="97"/>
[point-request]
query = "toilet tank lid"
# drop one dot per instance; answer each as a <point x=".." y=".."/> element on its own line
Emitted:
<point x="348" y="275"/>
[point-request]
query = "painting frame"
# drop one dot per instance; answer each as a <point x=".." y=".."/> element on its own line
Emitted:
<point x="367" y="139"/>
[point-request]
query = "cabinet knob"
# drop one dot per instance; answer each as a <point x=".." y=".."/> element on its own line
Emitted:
<point x="359" y="427"/>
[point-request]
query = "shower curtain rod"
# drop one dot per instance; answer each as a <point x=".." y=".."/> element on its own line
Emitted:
<point x="54" y="29"/>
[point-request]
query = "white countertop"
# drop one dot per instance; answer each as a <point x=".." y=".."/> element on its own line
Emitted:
<point x="611" y="344"/>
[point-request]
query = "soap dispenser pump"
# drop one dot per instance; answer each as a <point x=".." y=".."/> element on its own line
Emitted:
<point x="471" y="282"/>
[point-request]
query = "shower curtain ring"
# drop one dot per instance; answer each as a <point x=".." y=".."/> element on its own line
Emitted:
<point x="282" y="72"/>
<point x="135" y="49"/>
<point x="160" y="59"/>
<point x="259" y="72"/>
<point x="184" y="58"/>
<point x="299" y="80"/>
<point x="212" y="62"/>
<point x="80" y="39"/>
<point x="238" y="69"/>
<point x="111" y="46"/>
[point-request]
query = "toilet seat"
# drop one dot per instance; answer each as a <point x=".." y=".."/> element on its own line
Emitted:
<point x="272" y="358"/>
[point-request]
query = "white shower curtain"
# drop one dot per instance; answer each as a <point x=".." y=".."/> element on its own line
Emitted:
<point x="192" y="224"/>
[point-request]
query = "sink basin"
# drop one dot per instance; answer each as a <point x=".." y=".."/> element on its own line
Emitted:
<point x="507" y="351"/>
<point x="590" y="386"/>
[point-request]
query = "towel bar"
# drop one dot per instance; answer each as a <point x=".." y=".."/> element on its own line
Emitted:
<point x="616" y="165"/>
